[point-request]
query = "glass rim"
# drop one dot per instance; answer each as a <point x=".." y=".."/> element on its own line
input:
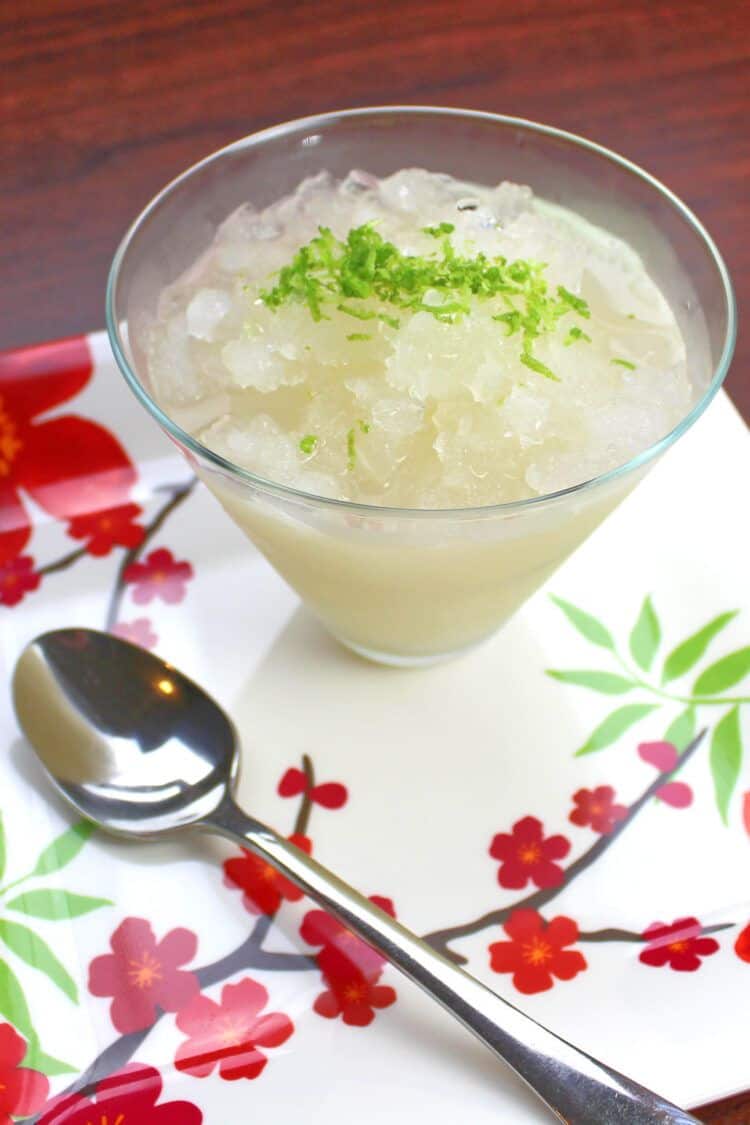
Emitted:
<point x="203" y="452"/>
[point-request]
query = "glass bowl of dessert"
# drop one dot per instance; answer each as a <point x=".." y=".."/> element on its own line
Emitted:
<point x="419" y="354"/>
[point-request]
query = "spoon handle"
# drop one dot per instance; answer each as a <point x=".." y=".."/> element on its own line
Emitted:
<point x="576" y="1087"/>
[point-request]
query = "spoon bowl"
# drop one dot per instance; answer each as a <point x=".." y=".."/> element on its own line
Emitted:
<point x="131" y="742"/>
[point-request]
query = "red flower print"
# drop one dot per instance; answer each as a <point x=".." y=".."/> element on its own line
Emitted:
<point x="108" y="528"/>
<point x="263" y="886"/>
<point x="351" y="994"/>
<point x="138" y="632"/>
<point x="527" y="855"/>
<point x="320" y="928"/>
<point x="331" y="794"/>
<point x="230" y="1033"/>
<point x="142" y="974"/>
<point x="680" y="945"/>
<point x="68" y="465"/>
<point x="160" y="576"/>
<point x="129" y="1095"/>
<point x="664" y="756"/>
<point x="675" y="793"/>
<point x="536" y="952"/>
<point x="596" y="808"/>
<point x="22" y="1091"/>
<point x="17" y="578"/>
<point x="742" y="945"/>
<point x="293" y="783"/>
<point x="351" y="969"/>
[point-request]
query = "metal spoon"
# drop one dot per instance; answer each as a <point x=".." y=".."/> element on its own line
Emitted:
<point x="141" y="750"/>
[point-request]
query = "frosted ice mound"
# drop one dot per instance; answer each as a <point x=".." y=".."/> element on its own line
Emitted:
<point x="419" y="342"/>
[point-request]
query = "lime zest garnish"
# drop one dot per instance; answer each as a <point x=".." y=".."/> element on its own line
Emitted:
<point x="575" y="333"/>
<point x="359" y="336"/>
<point x="360" y="314"/>
<point x="351" y="442"/>
<point x="365" y="267"/>
<point x="513" y="319"/>
<point x="351" y="449"/>
<point x="308" y="443"/>
<point x="439" y="230"/>
<point x="392" y="320"/>
<point x="535" y="364"/>
<point x="624" y="363"/>
<point x="576" y="303"/>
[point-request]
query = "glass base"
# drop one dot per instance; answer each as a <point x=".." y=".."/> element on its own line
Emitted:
<point x="399" y="660"/>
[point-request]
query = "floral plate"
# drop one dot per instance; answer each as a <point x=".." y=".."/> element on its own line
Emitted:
<point x="565" y="809"/>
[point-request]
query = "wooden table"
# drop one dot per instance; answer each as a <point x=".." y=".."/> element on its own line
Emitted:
<point x="102" y="103"/>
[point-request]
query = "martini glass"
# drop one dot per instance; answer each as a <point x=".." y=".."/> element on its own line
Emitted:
<point x="414" y="586"/>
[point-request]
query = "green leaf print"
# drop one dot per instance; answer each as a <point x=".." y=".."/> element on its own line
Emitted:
<point x="586" y="625"/>
<point x="687" y="654"/>
<point x="30" y="948"/>
<point x="726" y="759"/>
<point x="54" y="904"/>
<point x="608" y="683"/>
<point x="724" y="674"/>
<point x="681" y="730"/>
<point x="63" y="848"/>
<point x="614" y="726"/>
<point x="646" y="636"/>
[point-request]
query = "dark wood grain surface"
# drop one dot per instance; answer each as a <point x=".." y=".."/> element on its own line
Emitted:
<point x="102" y="103"/>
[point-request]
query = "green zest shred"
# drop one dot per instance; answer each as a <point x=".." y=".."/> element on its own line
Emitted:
<point x="535" y="364"/>
<point x="576" y="333"/>
<point x="308" y="443"/>
<point x="366" y="268"/>
<point x="351" y="449"/>
<point x="624" y="363"/>
<point x="441" y="229"/>
<point x="359" y="336"/>
<point x="513" y="319"/>
<point x="351" y="442"/>
<point x="576" y="303"/>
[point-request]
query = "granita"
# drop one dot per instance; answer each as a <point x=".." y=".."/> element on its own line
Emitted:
<point x="419" y="342"/>
<point x="440" y="357"/>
